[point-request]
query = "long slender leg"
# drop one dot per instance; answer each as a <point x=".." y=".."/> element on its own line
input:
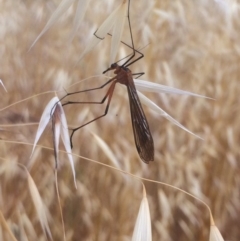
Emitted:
<point x="97" y="36"/>
<point x="135" y="60"/>
<point x="128" y="61"/>
<point x="128" y="16"/>
<point x="85" y="102"/>
<point x="97" y="88"/>
<point x="139" y="74"/>
<point x="109" y="96"/>
<point x="141" y="54"/>
<point x="72" y="93"/>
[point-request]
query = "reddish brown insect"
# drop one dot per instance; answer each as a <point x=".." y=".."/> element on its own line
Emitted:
<point x="141" y="131"/>
<point x="142" y="134"/>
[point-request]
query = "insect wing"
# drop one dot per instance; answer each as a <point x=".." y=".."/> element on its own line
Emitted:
<point x="142" y="134"/>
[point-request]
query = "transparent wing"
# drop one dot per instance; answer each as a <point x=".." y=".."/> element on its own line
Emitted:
<point x="142" y="134"/>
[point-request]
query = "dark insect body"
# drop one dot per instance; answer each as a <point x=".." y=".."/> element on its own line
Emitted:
<point x="123" y="75"/>
<point x="142" y="135"/>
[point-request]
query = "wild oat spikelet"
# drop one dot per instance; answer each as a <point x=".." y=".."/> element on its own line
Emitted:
<point x="215" y="234"/>
<point x="55" y="111"/>
<point x="142" y="230"/>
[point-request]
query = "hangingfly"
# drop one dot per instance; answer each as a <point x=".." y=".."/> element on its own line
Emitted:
<point x="123" y="75"/>
<point x="142" y="135"/>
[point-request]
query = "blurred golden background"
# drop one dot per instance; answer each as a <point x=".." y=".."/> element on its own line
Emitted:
<point x="190" y="45"/>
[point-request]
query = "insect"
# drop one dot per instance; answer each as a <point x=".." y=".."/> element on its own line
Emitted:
<point x="123" y="75"/>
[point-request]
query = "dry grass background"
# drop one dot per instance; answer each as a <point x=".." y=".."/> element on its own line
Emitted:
<point x="194" y="45"/>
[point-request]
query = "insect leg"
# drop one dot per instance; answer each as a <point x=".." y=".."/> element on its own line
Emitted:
<point x="109" y="96"/>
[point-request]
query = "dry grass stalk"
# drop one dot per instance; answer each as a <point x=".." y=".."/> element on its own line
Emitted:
<point x="5" y="227"/>
<point x="39" y="206"/>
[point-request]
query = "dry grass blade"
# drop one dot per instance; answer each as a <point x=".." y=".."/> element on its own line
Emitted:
<point x="3" y="85"/>
<point x="102" y="31"/>
<point x="27" y="225"/>
<point x="5" y="227"/>
<point x="66" y="140"/>
<point x="60" y="208"/>
<point x="56" y="127"/>
<point x="157" y="109"/>
<point x="63" y="6"/>
<point x="45" y="118"/>
<point x="80" y="12"/>
<point x="107" y="24"/>
<point x="143" y="85"/>
<point x="164" y="204"/>
<point x="39" y="206"/>
<point x="117" y="31"/>
<point x="102" y="144"/>
<point x="142" y="230"/>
